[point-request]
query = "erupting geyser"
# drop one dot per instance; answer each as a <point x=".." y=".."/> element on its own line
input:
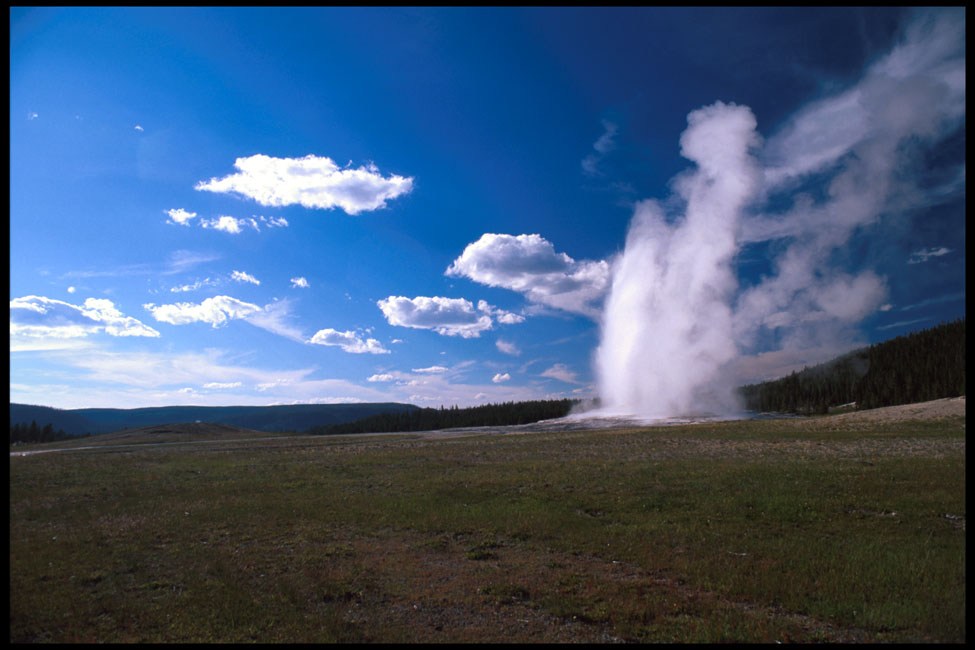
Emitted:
<point x="667" y="325"/>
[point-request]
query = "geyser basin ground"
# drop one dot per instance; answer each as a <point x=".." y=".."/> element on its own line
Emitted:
<point x="599" y="419"/>
<point x="844" y="528"/>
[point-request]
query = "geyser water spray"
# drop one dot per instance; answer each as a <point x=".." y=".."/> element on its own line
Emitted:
<point x="667" y="324"/>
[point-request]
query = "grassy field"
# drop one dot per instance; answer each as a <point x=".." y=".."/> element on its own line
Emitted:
<point x="754" y="531"/>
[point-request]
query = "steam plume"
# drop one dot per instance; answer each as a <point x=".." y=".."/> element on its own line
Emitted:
<point x="676" y="327"/>
<point x="667" y="325"/>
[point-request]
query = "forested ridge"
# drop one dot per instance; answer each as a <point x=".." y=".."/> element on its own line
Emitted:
<point x="33" y="432"/>
<point x="427" y="419"/>
<point x="278" y="418"/>
<point x="921" y="366"/>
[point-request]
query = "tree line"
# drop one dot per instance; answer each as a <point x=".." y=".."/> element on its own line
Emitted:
<point x="23" y="432"/>
<point x="425" y="419"/>
<point x="921" y="366"/>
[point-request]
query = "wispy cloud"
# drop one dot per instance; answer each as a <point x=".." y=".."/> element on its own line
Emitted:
<point x="206" y="282"/>
<point x="448" y="387"/>
<point x="779" y="363"/>
<point x="561" y="372"/>
<point x="507" y="347"/>
<point x="183" y="260"/>
<point x="602" y="146"/>
<point x="102" y="377"/>
<point x="274" y="222"/>
<point x="949" y="297"/>
<point x="864" y="145"/>
<point x="268" y="385"/>
<point x="216" y="385"/>
<point x="275" y="317"/>
<point x="924" y="254"/>
<point x="36" y="318"/>
<point x="235" y="276"/>
<point x="431" y="370"/>
<point x="895" y="98"/>
<point x="299" y="282"/>
<point x="242" y="276"/>
<point x="225" y="223"/>
<point x="217" y="311"/>
<point x="903" y="323"/>
<point x="134" y="369"/>
<point x="312" y="181"/>
<point x="349" y="341"/>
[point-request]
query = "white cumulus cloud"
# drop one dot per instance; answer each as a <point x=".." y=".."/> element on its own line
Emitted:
<point x="229" y="224"/>
<point x="445" y="316"/>
<point x="500" y="315"/>
<point x="312" y="181"/>
<point x="498" y="378"/>
<point x="179" y="216"/>
<point x="300" y="282"/>
<point x="216" y="311"/>
<point x="529" y="264"/>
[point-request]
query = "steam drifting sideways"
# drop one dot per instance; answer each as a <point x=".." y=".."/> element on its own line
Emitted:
<point x="677" y="329"/>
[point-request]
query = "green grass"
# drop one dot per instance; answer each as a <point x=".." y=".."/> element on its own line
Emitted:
<point x="748" y="531"/>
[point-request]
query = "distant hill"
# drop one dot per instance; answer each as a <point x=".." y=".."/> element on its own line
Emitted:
<point x="172" y="433"/>
<point x="427" y="419"/>
<point x="921" y="366"/>
<point x="294" y="417"/>
<point x="71" y="422"/>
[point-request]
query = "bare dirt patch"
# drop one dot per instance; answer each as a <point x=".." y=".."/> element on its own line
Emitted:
<point x="934" y="410"/>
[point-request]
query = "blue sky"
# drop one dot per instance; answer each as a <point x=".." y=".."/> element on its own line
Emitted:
<point x="263" y="206"/>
